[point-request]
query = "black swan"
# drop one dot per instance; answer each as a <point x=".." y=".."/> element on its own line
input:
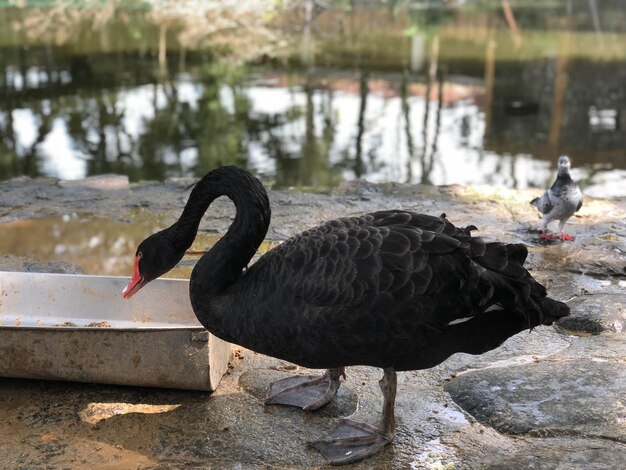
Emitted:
<point x="560" y="202"/>
<point x="391" y="289"/>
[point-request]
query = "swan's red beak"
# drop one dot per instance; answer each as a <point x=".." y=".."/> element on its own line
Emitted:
<point x="136" y="282"/>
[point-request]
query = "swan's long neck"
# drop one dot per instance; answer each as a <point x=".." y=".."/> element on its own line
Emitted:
<point x="222" y="265"/>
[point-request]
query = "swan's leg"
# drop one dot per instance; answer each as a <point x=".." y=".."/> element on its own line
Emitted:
<point x="308" y="392"/>
<point x="352" y="441"/>
<point x="389" y="385"/>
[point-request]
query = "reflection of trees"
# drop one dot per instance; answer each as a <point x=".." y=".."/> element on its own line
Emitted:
<point x="316" y="147"/>
<point x="429" y="153"/>
<point x="219" y="134"/>
<point x="16" y="159"/>
<point x="9" y="160"/>
<point x="359" y="167"/>
<point x="428" y="160"/>
<point x="187" y="128"/>
<point x="43" y="119"/>
<point x="173" y="127"/>
<point x="301" y="161"/>
<point x="95" y="119"/>
<point x="182" y="134"/>
<point x="95" y="124"/>
<point x="363" y="159"/>
<point x="217" y="130"/>
<point x="177" y="134"/>
<point x="406" y="113"/>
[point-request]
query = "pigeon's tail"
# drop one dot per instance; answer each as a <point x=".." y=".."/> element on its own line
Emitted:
<point x="543" y="203"/>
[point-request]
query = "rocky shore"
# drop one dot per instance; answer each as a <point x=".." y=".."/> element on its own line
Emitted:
<point x="552" y="398"/>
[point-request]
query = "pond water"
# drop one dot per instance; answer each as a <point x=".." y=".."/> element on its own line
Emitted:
<point x="478" y="94"/>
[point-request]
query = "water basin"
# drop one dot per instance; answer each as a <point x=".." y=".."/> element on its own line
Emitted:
<point x="79" y="328"/>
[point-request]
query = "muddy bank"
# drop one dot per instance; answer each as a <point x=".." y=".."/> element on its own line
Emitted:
<point x="514" y="407"/>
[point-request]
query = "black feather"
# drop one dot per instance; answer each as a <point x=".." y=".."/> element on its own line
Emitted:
<point x="379" y="289"/>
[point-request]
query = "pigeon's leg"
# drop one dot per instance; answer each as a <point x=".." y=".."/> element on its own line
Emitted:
<point x="564" y="236"/>
<point x="308" y="392"/>
<point x="548" y="236"/>
<point x="543" y="230"/>
<point x="352" y="441"/>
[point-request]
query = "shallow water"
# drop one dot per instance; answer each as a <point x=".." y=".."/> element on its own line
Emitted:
<point x="98" y="245"/>
<point x="439" y="96"/>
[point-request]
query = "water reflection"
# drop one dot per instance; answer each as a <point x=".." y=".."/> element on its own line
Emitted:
<point x="435" y="97"/>
<point x="97" y="245"/>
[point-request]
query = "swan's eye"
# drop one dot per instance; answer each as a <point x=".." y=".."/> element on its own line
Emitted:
<point x="137" y="261"/>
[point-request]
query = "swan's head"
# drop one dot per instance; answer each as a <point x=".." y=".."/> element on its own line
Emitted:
<point x="155" y="256"/>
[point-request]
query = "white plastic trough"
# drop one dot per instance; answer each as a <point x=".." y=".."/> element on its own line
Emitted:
<point x="79" y="328"/>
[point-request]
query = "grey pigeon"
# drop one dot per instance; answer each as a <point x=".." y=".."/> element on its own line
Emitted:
<point x="560" y="202"/>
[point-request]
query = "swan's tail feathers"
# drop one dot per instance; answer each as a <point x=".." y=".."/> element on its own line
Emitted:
<point x="517" y="252"/>
<point x="513" y="288"/>
<point x="535" y="202"/>
<point x="489" y="330"/>
<point x="552" y="310"/>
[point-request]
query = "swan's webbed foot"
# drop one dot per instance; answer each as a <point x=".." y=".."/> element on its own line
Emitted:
<point x="566" y="237"/>
<point x="350" y="442"/>
<point x="308" y="392"/>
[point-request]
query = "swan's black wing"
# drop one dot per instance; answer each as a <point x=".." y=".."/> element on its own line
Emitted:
<point x="348" y="260"/>
<point x="371" y="288"/>
<point x="402" y="257"/>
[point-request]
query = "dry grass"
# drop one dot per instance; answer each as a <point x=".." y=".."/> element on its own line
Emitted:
<point x="237" y="28"/>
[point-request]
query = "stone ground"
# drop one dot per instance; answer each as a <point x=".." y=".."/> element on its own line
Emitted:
<point x="551" y="399"/>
